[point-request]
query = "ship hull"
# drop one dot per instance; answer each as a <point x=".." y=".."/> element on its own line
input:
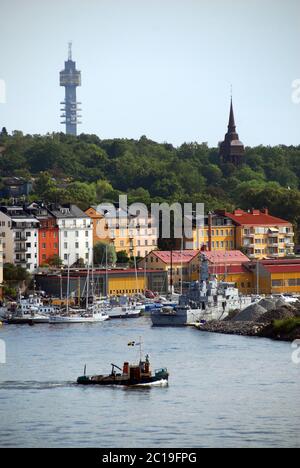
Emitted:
<point x="109" y="380"/>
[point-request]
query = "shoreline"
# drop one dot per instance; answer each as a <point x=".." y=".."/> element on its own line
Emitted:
<point x="271" y="330"/>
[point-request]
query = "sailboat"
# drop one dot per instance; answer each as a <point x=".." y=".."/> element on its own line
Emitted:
<point x="92" y="312"/>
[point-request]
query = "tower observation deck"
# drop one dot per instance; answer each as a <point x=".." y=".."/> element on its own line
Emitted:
<point x="70" y="78"/>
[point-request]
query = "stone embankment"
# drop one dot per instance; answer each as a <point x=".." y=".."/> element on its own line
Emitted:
<point x="268" y="318"/>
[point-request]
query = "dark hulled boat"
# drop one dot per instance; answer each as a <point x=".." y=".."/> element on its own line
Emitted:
<point x="131" y="375"/>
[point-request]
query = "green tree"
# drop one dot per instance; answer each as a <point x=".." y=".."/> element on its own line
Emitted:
<point x="100" y="249"/>
<point x="122" y="257"/>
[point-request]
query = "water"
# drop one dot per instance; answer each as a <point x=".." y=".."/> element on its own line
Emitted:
<point x="224" y="391"/>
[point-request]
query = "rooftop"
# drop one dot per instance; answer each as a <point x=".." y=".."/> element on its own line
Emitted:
<point x="255" y="217"/>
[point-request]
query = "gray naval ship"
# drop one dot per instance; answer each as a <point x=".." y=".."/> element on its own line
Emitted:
<point x="206" y="299"/>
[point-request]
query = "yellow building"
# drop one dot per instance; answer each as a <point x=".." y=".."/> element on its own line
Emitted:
<point x="185" y="265"/>
<point x="257" y="233"/>
<point x="261" y="235"/>
<point x="176" y="263"/>
<point x="277" y="276"/>
<point x="113" y="282"/>
<point x="133" y="234"/>
<point x="215" y="232"/>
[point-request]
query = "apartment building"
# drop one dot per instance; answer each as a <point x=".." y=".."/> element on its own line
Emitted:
<point x="214" y="232"/>
<point x="48" y="236"/>
<point x="75" y="233"/>
<point x="19" y="233"/>
<point x="133" y="234"/>
<point x="261" y="235"/>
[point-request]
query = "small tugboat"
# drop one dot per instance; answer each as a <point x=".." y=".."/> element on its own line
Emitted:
<point x="132" y="375"/>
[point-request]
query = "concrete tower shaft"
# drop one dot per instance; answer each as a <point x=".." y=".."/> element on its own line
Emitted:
<point x="70" y="78"/>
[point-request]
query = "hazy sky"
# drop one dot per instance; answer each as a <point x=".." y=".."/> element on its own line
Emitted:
<point x="161" y="68"/>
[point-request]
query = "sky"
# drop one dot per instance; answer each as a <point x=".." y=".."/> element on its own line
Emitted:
<point x="160" y="68"/>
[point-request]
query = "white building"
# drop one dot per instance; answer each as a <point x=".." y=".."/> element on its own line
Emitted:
<point x="75" y="233"/>
<point x="1" y="267"/>
<point x="19" y="234"/>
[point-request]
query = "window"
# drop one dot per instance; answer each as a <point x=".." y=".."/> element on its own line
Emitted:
<point x="65" y="245"/>
<point x="277" y="283"/>
<point x="76" y="245"/>
<point x="28" y="234"/>
<point x="55" y="245"/>
<point x="153" y="242"/>
<point x="65" y="256"/>
<point x="44" y="256"/>
<point x="43" y="246"/>
<point x="122" y="243"/>
<point x="146" y="242"/>
<point x="44" y="235"/>
<point x="86" y="233"/>
<point x="77" y="233"/>
<point x="65" y="233"/>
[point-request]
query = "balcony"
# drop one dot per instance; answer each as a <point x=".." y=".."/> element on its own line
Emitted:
<point x="20" y="249"/>
<point x="20" y="261"/>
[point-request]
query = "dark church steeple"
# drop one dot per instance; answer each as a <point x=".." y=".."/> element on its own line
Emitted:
<point x="232" y="149"/>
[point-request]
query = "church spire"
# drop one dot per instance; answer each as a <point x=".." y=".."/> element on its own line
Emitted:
<point x="231" y="123"/>
<point x="231" y="149"/>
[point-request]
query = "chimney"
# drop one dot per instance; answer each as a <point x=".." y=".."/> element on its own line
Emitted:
<point x="265" y="211"/>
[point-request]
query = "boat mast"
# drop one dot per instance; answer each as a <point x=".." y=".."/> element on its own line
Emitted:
<point x="68" y="285"/>
<point x="106" y="273"/>
<point x="87" y="283"/>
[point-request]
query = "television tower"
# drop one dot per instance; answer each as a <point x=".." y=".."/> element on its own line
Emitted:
<point x="70" y="78"/>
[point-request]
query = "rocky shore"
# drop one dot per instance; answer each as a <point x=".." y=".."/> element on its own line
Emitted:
<point x="268" y="318"/>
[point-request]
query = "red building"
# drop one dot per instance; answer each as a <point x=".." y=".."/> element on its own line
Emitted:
<point x="48" y="232"/>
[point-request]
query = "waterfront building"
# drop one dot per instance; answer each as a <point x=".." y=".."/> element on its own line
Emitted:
<point x="176" y="263"/>
<point x="276" y="276"/>
<point x="19" y="233"/>
<point x="48" y="236"/>
<point x="133" y="234"/>
<point x="113" y="282"/>
<point x="231" y="150"/>
<point x="261" y="235"/>
<point x="75" y="233"/>
<point x="184" y="265"/>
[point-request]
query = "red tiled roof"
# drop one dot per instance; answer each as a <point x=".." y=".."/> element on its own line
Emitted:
<point x="295" y="268"/>
<point x="244" y="218"/>
<point x="228" y="256"/>
<point x="216" y="257"/>
<point x="178" y="256"/>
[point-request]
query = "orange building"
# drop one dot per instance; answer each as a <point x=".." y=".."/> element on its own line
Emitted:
<point x="48" y="239"/>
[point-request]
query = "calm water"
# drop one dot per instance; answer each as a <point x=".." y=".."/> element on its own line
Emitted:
<point x="223" y="390"/>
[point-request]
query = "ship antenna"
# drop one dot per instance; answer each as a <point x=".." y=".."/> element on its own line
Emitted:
<point x="140" y="348"/>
